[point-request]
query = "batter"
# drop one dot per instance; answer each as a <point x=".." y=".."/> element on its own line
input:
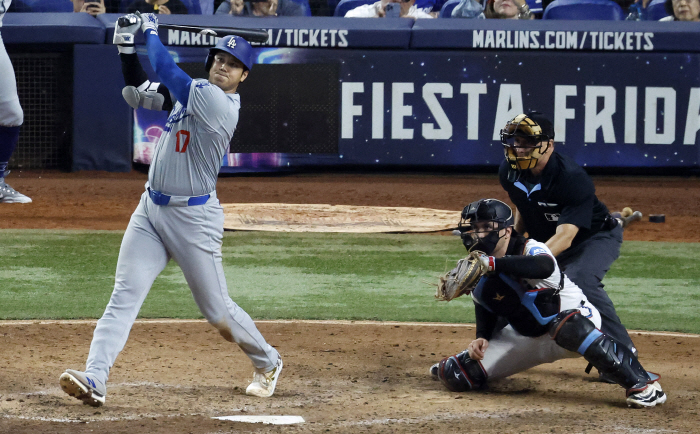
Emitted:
<point x="549" y="318"/>
<point x="11" y="118"/>
<point x="179" y="216"/>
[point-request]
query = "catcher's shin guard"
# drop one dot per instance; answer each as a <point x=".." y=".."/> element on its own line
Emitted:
<point x="574" y="332"/>
<point x="459" y="373"/>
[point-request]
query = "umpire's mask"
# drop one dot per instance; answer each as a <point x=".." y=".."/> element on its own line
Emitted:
<point x="530" y="132"/>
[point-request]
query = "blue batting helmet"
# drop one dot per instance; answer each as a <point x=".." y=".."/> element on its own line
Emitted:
<point x="235" y="46"/>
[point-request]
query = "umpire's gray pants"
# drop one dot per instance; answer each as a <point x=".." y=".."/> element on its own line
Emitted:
<point x="586" y="265"/>
<point x="192" y="236"/>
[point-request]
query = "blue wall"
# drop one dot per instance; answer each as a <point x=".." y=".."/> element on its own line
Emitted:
<point x="430" y="92"/>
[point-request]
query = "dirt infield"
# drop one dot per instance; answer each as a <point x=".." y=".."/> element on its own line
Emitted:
<point x="302" y="217"/>
<point x="173" y="377"/>
<point x="100" y="200"/>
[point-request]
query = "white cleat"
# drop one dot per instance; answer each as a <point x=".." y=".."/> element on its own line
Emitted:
<point x="84" y="387"/>
<point x="10" y="195"/>
<point x="649" y="397"/>
<point x="263" y="385"/>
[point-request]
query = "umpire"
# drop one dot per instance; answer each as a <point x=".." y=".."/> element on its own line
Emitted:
<point x="556" y="204"/>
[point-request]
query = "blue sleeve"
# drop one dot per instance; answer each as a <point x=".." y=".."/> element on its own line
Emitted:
<point x="174" y="78"/>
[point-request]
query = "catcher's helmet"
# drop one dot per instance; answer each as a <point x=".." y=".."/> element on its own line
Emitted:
<point x="235" y="46"/>
<point x="534" y="128"/>
<point x="484" y="210"/>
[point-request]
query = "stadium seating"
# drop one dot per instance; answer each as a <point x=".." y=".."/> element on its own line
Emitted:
<point x="583" y="10"/>
<point x="535" y="6"/>
<point x="203" y="6"/>
<point x="304" y="6"/>
<point x="347" y="5"/>
<point x="332" y="4"/>
<point x="49" y="5"/>
<point x="438" y="5"/>
<point x="426" y="5"/>
<point x="656" y="10"/>
<point x="192" y="6"/>
<point x="448" y="7"/>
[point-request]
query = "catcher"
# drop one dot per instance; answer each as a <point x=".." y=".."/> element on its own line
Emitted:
<point x="548" y="316"/>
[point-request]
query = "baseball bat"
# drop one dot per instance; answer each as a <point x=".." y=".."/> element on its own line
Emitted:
<point x="251" y="35"/>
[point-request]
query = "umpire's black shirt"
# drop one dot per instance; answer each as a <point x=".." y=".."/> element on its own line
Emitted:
<point x="562" y="193"/>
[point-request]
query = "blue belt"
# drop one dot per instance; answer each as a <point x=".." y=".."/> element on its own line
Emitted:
<point x="163" y="199"/>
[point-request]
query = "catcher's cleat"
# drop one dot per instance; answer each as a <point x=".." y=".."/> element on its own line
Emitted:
<point x="263" y="385"/>
<point x="83" y="386"/>
<point x="648" y="397"/>
<point x="434" y="371"/>
<point x="10" y="195"/>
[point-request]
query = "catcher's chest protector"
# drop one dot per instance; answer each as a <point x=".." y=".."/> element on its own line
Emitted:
<point x="528" y="311"/>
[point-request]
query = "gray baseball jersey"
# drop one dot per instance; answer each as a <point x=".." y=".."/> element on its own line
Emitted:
<point x="186" y="163"/>
<point x="188" y="156"/>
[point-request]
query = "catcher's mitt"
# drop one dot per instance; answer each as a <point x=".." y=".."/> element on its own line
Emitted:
<point x="461" y="279"/>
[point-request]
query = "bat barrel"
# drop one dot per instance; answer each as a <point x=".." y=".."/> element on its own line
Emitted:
<point x="251" y="35"/>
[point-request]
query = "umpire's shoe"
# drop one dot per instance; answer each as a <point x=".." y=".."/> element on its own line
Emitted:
<point x="648" y="397"/>
<point x="263" y="385"/>
<point x="83" y="386"/>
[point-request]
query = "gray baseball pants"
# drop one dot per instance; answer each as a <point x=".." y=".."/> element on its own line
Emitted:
<point x="586" y="265"/>
<point x="192" y="236"/>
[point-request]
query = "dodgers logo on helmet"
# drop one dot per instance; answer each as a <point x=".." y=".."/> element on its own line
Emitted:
<point x="235" y="46"/>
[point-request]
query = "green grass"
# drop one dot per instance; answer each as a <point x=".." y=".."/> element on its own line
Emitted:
<point x="70" y="274"/>
<point x="656" y="286"/>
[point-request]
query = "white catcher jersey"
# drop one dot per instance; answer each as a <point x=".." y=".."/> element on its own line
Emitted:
<point x="189" y="154"/>
<point x="571" y="295"/>
<point x="534" y="248"/>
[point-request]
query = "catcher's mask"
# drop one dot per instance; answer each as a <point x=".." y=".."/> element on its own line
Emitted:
<point x="474" y="235"/>
<point x="531" y="132"/>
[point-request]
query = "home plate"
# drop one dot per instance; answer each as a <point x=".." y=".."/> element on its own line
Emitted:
<point x="273" y="420"/>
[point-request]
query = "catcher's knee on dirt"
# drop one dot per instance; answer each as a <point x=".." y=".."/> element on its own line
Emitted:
<point x="574" y="332"/>
<point x="459" y="373"/>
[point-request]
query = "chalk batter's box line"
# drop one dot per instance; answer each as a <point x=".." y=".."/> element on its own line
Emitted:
<point x="305" y="321"/>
